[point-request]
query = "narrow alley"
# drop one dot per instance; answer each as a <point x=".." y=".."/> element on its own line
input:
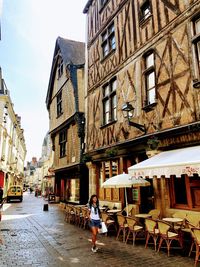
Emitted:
<point x="33" y="237"/>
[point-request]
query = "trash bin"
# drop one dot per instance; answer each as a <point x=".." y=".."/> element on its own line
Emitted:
<point x="46" y="207"/>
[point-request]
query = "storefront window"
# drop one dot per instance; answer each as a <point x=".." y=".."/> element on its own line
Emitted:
<point x="184" y="192"/>
<point x="73" y="190"/>
<point x="107" y="170"/>
<point x="180" y="190"/>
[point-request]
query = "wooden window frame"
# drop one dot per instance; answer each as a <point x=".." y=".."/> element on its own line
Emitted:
<point x="102" y="4"/>
<point x="147" y="72"/>
<point x="107" y="41"/>
<point x="63" y="142"/>
<point x="60" y="67"/>
<point x="59" y="104"/>
<point x="112" y="110"/>
<point x="145" y="5"/>
<point x="189" y="185"/>
<point x="196" y="46"/>
<point x="109" y="193"/>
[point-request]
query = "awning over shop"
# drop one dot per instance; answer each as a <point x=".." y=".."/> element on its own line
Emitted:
<point x="172" y="162"/>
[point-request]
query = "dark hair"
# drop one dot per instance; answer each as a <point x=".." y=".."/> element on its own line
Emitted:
<point x="97" y="203"/>
<point x="91" y="201"/>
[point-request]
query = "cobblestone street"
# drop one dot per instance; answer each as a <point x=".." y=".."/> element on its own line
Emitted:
<point x="33" y="237"/>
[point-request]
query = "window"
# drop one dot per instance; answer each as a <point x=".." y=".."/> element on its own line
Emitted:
<point x="109" y="102"/>
<point x="59" y="104"/>
<point x="150" y="83"/>
<point x="108" y="40"/>
<point x="62" y="142"/>
<point x="184" y="192"/>
<point x="196" y="44"/>
<point x="103" y="2"/>
<point x="60" y="67"/>
<point x="145" y="11"/>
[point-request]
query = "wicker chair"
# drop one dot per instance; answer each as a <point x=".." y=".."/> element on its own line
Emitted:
<point x="133" y="228"/>
<point x="155" y="214"/>
<point x="109" y="221"/>
<point x="167" y="236"/>
<point x="196" y="234"/>
<point x="84" y="218"/>
<point x="191" y="221"/>
<point x="122" y="226"/>
<point x="151" y="231"/>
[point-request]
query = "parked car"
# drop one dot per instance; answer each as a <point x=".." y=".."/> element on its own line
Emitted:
<point x="15" y="192"/>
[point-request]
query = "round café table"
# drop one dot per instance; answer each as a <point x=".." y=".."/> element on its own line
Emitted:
<point x="113" y="211"/>
<point x="173" y="221"/>
<point x="143" y="215"/>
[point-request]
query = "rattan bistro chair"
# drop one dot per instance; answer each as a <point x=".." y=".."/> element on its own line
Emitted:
<point x="133" y="228"/>
<point x="84" y="218"/>
<point x="167" y="236"/>
<point x="122" y="226"/>
<point x="155" y="214"/>
<point x="109" y="221"/>
<point x="151" y="229"/>
<point x="196" y="234"/>
<point x="191" y="221"/>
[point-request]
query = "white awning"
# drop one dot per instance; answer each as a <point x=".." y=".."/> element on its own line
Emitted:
<point x="172" y="162"/>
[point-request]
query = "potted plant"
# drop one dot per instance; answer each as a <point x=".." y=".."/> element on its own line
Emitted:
<point x="153" y="142"/>
<point x="111" y="152"/>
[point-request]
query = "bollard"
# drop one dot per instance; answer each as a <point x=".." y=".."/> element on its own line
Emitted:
<point x="46" y="207"/>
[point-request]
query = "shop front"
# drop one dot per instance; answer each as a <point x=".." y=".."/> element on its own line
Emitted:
<point x="71" y="184"/>
<point x="175" y="179"/>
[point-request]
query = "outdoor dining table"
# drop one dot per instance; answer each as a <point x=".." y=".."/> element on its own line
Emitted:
<point x="114" y="211"/>
<point x="173" y="221"/>
<point x="143" y="215"/>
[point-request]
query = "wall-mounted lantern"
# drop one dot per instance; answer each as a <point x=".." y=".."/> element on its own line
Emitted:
<point x="128" y="111"/>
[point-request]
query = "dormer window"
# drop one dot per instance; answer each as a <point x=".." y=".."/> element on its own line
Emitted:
<point x="60" y="67"/>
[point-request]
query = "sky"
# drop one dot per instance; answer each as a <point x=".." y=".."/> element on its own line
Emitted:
<point x="29" y="29"/>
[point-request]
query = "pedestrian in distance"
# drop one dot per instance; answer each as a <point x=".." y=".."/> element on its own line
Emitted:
<point x="94" y="215"/>
<point x="1" y="195"/>
<point x="1" y="205"/>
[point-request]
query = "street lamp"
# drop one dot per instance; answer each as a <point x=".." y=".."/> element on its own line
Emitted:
<point x="128" y="110"/>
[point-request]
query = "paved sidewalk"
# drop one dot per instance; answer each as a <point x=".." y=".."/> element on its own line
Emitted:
<point x="33" y="237"/>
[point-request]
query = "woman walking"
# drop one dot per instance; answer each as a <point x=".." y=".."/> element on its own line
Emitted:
<point x="95" y="221"/>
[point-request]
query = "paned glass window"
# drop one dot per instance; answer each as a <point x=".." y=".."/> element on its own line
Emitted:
<point x="108" y="40"/>
<point x="196" y="45"/>
<point x="150" y="81"/>
<point x="145" y="10"/>
<point x="109" y="102"/>
<point x="62" y="142"/>
<point x="60" y="67"/>
<point x="59" y="103"/>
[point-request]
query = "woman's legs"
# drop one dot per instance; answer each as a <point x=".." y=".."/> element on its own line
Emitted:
<point x="94" y="236"/>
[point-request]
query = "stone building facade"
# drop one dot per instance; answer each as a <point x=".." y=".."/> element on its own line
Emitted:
<point x="12" y="145"/>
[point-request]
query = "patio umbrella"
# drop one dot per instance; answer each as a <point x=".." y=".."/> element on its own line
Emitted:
<point x="124" y="180"/>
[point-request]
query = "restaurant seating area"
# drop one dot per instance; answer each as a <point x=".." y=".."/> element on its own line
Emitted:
<point x="179" y="231"/>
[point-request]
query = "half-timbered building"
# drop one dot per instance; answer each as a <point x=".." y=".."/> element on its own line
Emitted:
<point x="143" y="90"/>
<point x="65" y="104"/>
